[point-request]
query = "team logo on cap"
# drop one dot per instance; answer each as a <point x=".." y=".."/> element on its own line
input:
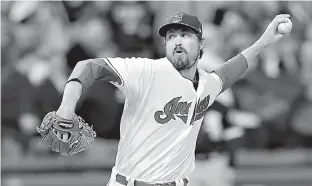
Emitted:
<point x="177" y="18"/>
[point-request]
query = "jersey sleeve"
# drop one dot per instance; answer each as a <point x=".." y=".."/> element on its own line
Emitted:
<point x="130" y="72"/>
<point x="214" y="85"/>
<point x="218" y="82"/>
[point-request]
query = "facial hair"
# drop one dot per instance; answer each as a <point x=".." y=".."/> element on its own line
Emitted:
<point x="182" y="61"/>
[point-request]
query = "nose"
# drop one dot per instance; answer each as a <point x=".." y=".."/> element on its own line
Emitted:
<point x="178" y="41"/>
<point x="178" y="45"/>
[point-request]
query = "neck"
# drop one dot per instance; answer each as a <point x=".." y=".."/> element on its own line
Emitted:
<point x="189" y="73"/>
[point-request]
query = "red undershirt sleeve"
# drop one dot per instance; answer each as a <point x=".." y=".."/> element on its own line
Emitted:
<point x="231" y="70"/>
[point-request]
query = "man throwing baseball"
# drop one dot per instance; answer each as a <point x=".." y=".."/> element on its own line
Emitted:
<point x="166" y="100"/>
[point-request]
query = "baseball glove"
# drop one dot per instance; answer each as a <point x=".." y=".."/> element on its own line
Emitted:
<point x="66" y="136"/>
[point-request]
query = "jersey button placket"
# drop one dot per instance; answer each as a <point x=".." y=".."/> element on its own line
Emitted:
<point x="197" y="96"/>
<point x="193" y="115"/>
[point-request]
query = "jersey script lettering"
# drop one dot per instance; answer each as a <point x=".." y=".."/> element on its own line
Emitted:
<point x="175" y="108"/>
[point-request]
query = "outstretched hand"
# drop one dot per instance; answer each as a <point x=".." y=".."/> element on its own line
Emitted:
<point x="272" y="34"/>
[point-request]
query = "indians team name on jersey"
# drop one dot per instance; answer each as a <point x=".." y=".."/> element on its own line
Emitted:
<point x="181" y="109"/>
<point x="161" y="118"/>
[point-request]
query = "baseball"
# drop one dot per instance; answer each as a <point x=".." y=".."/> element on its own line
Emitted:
<point x="285" y="28"/>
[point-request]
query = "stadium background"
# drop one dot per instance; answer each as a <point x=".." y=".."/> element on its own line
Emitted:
<point x="42" y="41"/>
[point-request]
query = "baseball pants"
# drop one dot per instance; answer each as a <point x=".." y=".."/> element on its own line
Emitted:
<point x="113" y="182"/>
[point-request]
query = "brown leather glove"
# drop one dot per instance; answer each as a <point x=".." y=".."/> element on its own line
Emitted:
<point x="66" y="136"/>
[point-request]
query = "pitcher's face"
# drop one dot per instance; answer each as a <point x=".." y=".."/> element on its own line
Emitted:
<point x="182" y="47"/>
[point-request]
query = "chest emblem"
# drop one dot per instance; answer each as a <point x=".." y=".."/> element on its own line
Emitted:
<point x="176" y="108"/>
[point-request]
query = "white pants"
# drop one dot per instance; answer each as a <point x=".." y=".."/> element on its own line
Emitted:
<point x="213" y="172"/>
<point x="112" y="181"/>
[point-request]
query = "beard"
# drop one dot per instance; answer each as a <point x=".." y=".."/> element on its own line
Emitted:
<point x="181" y="61"/>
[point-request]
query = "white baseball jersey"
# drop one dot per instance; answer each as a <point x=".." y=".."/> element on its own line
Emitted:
<point x="161" y="119"/>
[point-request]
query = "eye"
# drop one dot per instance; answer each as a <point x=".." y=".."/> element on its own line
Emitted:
<point x="184" y="34"/>
<point x="170" y="36"/>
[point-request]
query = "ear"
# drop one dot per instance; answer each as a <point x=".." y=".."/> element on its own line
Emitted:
<point x="202" y="44"/>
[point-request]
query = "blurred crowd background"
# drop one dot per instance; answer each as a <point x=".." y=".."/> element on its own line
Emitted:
<point x="42" y="41"/>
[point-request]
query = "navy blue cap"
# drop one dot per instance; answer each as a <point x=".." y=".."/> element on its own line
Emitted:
<point x="184" y="19"/>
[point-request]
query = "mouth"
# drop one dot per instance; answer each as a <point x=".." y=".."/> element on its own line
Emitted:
<point x="179" y="51"/>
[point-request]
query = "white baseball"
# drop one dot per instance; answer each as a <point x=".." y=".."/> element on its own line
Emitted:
<point x="285" y="28"/>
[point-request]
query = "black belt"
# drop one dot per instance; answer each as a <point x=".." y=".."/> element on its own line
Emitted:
<point x="122" y="180"/>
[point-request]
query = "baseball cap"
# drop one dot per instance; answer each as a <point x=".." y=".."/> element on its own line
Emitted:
<point x="184" y="19"/>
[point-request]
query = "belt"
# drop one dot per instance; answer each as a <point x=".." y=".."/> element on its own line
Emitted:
<point x="122" y="180"/>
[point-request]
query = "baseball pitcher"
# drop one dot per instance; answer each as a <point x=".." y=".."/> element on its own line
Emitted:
<point x="166" y="100"/>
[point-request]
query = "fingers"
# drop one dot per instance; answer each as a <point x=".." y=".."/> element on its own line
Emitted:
<point x="278" y="37"/>
<point x="282" y="18"/>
